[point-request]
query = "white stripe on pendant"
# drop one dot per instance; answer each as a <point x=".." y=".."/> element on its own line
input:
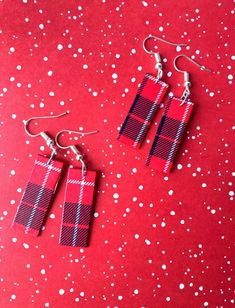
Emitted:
<point x="46" y="166"/>
<point x="81" y="182"/>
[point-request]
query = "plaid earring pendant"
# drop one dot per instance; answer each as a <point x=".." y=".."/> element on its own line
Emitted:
<point x="77" y="208"/>
<point x="78" y="201"/>
<point x="147" y="101"/>
<point x="169" y="134"/>
<point x="172" y="127"/>
<point x="38" y="195"/>
<point x="142" y="111"/>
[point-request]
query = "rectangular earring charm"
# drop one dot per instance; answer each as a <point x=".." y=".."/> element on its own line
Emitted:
<point x="169" y="134"/>
<point x="77" y="209"/>
<point x="143" y="110"/>
<point x="38" y="195"/>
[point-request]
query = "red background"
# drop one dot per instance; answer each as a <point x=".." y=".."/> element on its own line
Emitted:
<point x="157" y="241"/>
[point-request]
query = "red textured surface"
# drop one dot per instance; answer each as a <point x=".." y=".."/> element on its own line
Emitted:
<point x="156" y="241"/>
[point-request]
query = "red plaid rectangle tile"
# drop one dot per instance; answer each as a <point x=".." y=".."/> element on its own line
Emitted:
<point x="37" y="196"/>
<point x="142" y="112"/>
<point x="77" y="209"/>
<point x="169" y="135"/>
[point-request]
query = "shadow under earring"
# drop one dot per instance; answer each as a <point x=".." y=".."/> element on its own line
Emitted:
<point x="146" y="103"/>
<point x="172" y="126"/>
<point x="79" y="192"/>
<point x="38" y="195"/>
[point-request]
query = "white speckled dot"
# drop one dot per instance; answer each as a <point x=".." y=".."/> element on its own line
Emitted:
<point x="59" y="46"/>
<point x="115" y="195"/>
<point x="61" y="291"/>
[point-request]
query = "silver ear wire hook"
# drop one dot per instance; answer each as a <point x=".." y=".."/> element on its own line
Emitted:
<point x="157" y="56"/>
<point x="187" y="82"/>
<point x="79" y="156"/>
<point x="50" y="143"/>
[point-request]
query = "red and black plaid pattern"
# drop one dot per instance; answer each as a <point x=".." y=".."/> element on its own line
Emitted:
<point x="38" y="194"/>
<point x="142" y="112"/>
<point x="77" y="209"/>
<point x="169" y="135"/>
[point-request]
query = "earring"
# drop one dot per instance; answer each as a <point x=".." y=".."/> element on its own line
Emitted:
<point x="147" y="101"/>
<point x="77" y="208"/>
<point x="172" y="126"/>
<point x="41" y="187"/>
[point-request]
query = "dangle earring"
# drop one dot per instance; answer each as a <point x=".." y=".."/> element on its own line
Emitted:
<point x="37" y="197"/>
<point x="147" y="101"/>
<point x="77" y="208"/>
<point x="172" y="125"/>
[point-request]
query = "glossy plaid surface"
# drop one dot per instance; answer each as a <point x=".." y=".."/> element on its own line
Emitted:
<point x="38" y="194"/>
<point x="169" y="135"/>
<point x="142" y="112"/>
<point x="77" y="208"/>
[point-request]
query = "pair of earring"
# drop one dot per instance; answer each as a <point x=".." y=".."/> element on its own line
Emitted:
<point x="143" y="110"/>
<point x="42" y="185"/>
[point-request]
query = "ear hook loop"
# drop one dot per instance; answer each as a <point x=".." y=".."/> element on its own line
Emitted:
<point x="79" y="156"/>
<point x="157" y="56"/>
<point x="187" y="82"/>
<point x="50" y="143"/>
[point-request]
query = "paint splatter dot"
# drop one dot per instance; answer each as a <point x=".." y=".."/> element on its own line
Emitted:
<point x="61" y="291"/>
<point x="116" y="196"/>
<point x="59" y="46"/>
<point x="43" y="271"/>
